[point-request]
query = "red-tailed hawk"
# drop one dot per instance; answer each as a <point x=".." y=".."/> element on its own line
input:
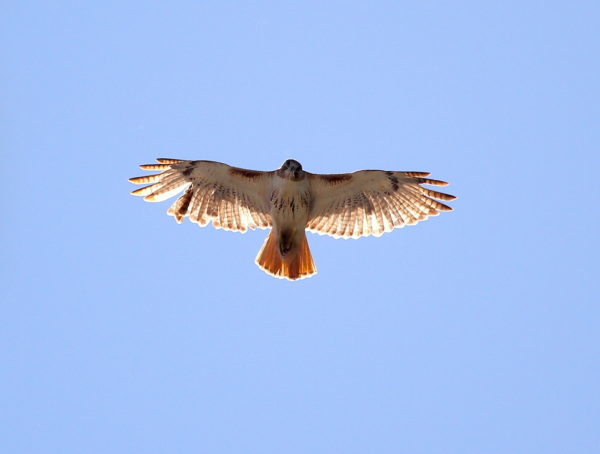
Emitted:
<point x="290" y="201"/>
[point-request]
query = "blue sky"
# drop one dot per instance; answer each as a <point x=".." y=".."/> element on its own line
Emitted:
<point x="476" y="331"/>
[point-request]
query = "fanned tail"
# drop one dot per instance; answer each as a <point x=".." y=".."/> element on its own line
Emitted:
<point x="297" y="264"/>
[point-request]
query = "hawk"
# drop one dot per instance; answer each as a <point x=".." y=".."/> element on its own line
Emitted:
<point x="290" y="201"/>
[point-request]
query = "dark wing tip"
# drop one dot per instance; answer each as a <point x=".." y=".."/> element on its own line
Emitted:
<point x="442" y="206"/>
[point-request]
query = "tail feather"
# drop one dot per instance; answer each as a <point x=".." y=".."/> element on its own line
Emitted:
<point x="298" y="264"/>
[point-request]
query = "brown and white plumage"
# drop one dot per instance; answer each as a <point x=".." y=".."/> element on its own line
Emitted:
<point x="232" y="198"/>
<point x="290" y="201"/>
<point x="371" y="202"/>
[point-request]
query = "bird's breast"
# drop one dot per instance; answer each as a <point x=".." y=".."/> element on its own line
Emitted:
<point x="290" y="202"/>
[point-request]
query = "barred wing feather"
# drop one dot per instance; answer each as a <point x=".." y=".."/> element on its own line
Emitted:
<point x="371" y="202"/>
<point x="232" y="198"/>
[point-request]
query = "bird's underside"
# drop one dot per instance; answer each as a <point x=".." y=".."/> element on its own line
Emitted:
<point x="290" y="201"/>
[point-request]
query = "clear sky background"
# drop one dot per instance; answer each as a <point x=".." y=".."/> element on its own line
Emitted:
<point x="474" y="332"/>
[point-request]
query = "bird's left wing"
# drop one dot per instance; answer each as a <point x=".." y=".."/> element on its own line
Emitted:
<point x="232" y="198"/>
<point x="371" y="202"/>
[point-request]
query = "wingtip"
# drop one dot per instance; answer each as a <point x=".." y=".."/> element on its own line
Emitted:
<point x="168" y="160"/>
<point x="432" y="182"/>
<point x="414" y="173"/>
<point x="145" y="179"/>
<point x="154" y="166"/>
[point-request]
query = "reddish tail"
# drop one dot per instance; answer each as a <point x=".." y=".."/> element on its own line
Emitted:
<point x="295" y="264"/>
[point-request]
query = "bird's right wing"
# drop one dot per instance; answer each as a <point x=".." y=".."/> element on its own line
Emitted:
<point x="371" y="202"/>
<point x="232" y="198"/>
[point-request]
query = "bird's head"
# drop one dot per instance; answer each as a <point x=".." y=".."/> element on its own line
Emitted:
<point x="292" y="169"/>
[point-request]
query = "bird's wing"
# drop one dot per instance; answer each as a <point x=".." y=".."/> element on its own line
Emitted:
<point x="232" y="198"/>
<point x="371" y="202"/>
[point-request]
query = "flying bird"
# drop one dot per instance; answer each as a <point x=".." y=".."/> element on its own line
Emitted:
<point x="290" y="201"/>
